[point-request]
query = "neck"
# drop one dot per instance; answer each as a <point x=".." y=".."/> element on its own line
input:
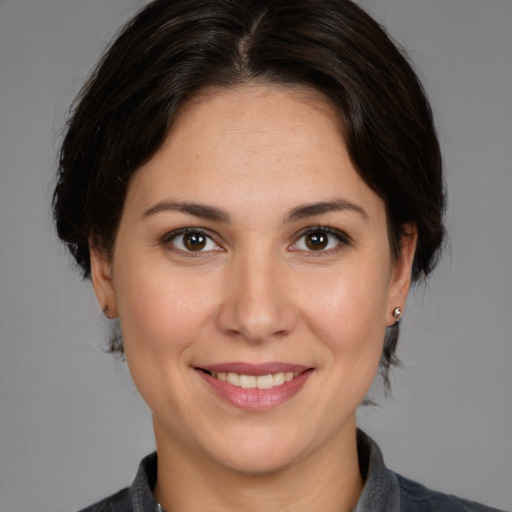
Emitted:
<point x="329" y="481"/>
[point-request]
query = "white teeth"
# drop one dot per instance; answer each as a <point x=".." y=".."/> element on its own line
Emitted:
<point x="247" y="381"/>
<point x="252" y="381"/>
<point x="233" y="379"/>
<point x="266" y="381"/>
<point x="279" y="379"/>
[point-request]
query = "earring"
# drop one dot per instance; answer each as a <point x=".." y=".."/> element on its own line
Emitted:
<point x="397" y="313"/>
<point x="105" y="311"/>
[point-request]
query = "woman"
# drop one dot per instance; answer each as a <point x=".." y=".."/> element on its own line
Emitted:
<point x="252" y="187"/>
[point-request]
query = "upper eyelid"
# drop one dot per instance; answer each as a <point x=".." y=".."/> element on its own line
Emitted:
<point x="327" y="229"/>
<point x="342" y="241"/>
<point x="169" y="235"/>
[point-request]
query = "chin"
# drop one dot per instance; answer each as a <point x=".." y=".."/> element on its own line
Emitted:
<point x="261" y="451"/>
<point x="255" y="461"/>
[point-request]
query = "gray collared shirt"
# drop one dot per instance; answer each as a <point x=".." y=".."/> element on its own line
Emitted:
<point x="384" y="490"/>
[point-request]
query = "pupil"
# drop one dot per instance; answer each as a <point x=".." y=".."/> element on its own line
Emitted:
<point x="195" y="241"/>
<point x="317" y="241"/>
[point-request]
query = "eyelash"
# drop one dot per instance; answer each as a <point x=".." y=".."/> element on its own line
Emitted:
<point x="342" y="239"/>
<point x="169" y="238"/>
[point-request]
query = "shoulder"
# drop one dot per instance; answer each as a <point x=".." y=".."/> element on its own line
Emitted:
<point x="136" y="498"/>
<point x="387" y="491"/>
<point x="415" y="497"/>
<point x="118" y="502"/>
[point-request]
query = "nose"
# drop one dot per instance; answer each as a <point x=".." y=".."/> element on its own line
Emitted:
<point x="257" y="304"/>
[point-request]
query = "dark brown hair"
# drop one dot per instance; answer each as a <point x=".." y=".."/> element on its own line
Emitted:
<point x="172" y="49"/>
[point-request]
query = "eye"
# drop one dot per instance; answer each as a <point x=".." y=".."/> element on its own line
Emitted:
<point x="191" y="240"/>
<point x="320" y="240"/>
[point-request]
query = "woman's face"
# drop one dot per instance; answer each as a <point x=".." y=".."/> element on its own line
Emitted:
<point x="253" y="279"/>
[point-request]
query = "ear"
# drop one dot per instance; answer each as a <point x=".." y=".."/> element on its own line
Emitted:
<point x="402" y="270"/>
<point x="101" y="276"/>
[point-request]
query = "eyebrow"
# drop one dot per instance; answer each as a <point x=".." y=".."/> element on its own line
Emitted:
<point x="312" y="209"/>
<point x="216" y="214"/>
<point x="196" y="209"/>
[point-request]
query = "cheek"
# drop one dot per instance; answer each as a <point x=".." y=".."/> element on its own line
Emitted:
<point x="163" y="315"/>
<point x="349" y="310"/>
<point x="161" y="310"/>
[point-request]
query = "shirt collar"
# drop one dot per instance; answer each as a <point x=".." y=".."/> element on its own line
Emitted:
<point x="141" y="490"/>
<point x="381" y="491"/>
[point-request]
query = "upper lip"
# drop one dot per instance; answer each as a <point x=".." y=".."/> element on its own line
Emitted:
<point x="254" y="369"/>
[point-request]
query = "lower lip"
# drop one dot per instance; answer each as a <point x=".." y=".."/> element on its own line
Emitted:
<point x="256" y="399"/>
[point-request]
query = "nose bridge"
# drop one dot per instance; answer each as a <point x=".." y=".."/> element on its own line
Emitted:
<point x="257" y="303"/>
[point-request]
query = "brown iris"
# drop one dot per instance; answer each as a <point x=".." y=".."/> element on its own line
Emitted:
<point x="194" y="241"/>
<point x="317" y="240"/>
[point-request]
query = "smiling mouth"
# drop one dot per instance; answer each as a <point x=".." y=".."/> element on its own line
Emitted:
<point x="254" y="381"/>
<point x="255" y="387"/>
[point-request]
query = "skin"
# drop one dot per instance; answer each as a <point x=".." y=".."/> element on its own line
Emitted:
<point x="256" y="293"/>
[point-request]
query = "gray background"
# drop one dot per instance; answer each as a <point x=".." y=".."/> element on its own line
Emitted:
<point x="72" y="427"/>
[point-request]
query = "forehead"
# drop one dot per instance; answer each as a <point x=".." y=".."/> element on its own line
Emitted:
<point x="239" y="100"/>
<point x="257" y="143"/>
